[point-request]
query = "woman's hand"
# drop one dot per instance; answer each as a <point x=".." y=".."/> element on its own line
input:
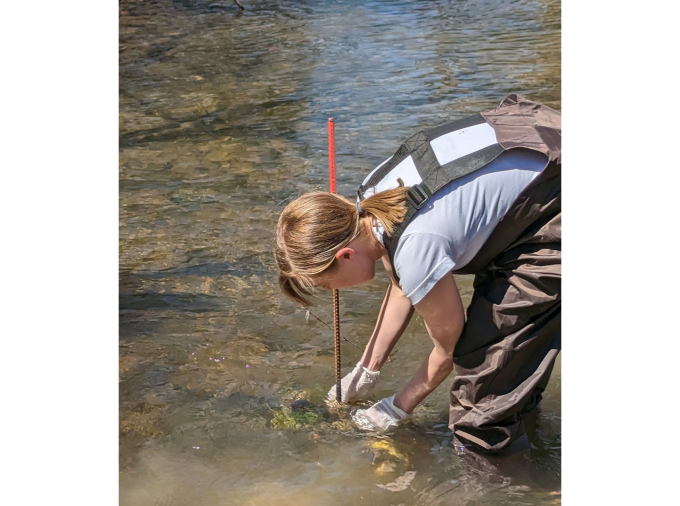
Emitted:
<point x="356" y="385"/>
<point x="381" y="416"/>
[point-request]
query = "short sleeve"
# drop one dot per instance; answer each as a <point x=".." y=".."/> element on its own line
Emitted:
<point x="421" y="260"/>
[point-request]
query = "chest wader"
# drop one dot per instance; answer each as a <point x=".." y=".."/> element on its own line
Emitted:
<point x="512" y="333"/>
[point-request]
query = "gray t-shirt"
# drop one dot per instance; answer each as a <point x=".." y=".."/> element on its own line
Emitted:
<point x="449" y="230"/>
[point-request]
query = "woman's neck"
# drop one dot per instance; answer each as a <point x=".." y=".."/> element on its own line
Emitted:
<point x="373" y="247"/>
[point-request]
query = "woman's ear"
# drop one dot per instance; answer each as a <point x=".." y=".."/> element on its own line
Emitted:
<point x="345" y="253"/>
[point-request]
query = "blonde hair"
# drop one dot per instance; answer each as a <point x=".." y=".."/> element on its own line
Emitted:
<point x="315" y="226"/>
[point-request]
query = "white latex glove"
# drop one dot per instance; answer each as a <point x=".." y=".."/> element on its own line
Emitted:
<point x="356" y="385"/>
<point x="381" y="416"/>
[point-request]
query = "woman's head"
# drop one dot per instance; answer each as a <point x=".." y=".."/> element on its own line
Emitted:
<point x="319" y="230"/>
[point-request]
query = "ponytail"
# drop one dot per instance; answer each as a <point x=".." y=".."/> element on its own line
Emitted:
<point x="388" y="207"/>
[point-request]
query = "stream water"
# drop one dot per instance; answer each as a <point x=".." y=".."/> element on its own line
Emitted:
<point x="223" y="121"/>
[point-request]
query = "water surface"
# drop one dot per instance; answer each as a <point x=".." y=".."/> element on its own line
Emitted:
<point x="223" y="121"/>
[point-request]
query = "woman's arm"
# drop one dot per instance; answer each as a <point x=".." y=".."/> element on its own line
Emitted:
<point x="444" y="318"/>
<point x="395" y="314"/>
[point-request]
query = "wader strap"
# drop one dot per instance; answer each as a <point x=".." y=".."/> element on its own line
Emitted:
<point x="422" y="154"/>
<point x="437" y="178"/>
<point x="435" y="132"/>
<point x="434" y="176"/>
<point x="418" y="145"/>
<point x="442" y="175"/>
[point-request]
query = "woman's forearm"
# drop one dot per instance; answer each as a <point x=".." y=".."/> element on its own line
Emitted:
<point x="436" y="367"/>
<point x="395" y="314"/>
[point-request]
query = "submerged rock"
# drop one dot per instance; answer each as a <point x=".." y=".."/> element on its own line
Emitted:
<point x="300" y="413"/>
<point x="301" y="405"/>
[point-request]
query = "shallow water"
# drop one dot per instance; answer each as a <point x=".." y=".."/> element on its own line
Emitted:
<point x="223" y="120"/>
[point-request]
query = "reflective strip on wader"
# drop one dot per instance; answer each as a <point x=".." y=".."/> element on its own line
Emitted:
<point x="434" y="176"/>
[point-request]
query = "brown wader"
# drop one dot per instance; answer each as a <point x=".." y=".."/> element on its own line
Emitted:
<point x="512" y="334"/>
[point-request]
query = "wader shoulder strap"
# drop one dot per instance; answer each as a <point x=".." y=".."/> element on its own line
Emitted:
<point x="418" y="146"/>
<point x="439" y="177"/>
<point x="434" y="176"/>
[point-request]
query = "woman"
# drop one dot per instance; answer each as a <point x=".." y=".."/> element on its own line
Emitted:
<point x="478" y="196"/>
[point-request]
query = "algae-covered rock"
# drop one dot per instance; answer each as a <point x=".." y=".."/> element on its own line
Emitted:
<point x="300" y="408"/>
<point x="300" y="415"/>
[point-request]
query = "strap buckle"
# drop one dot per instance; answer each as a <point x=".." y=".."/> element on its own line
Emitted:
<point x="417" y="196"/>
